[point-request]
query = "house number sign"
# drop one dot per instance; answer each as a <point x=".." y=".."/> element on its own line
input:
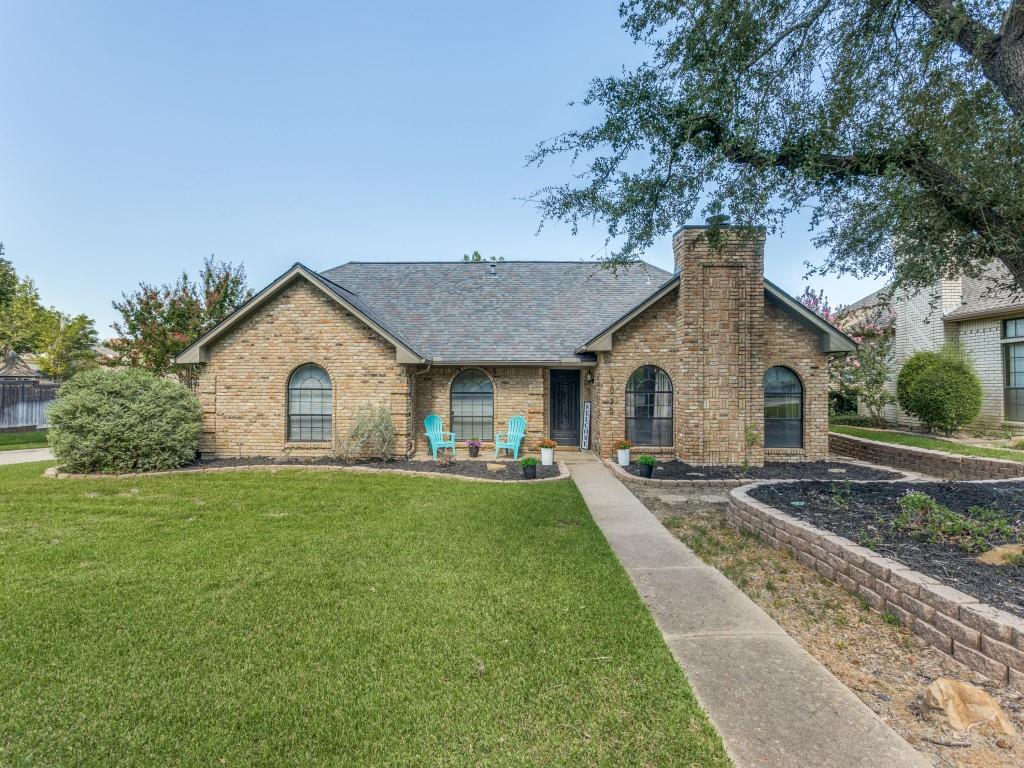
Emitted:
<point x="585" y="433"/>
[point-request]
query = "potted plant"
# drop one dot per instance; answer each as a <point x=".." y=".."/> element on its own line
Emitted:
<point x="547" y="451"/>
<point x="474" y="448"/>
<point x="529" y="465"/>
<point x="645" y="463"/>
<point x="623" y="447"/>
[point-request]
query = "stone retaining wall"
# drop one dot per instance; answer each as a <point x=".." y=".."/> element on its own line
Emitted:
<point x="984" y="638"/>
<point x="948" y="466"/>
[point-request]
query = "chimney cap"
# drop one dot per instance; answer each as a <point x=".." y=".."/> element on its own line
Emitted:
<point x="718" y="220"/>
<point x="494" y="270"/>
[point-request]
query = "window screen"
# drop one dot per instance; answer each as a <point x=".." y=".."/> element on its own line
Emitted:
<point x="309" y="405"/>
<point x="649" y="407"/>
<point x="783" y="409"/>
<point x="472" y="406"/>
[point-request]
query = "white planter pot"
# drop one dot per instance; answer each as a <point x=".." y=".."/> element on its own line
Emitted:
<point x="547" y="456"/>
<point x="624" y="457"/>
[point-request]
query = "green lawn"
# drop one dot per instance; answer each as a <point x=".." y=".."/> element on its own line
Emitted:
<point x="16" y="441"/>
<point x="320" y="618"/>
<point x="933" y="443"/>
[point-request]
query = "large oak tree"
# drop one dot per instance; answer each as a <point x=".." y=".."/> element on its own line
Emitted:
<point x="899" y="122"/>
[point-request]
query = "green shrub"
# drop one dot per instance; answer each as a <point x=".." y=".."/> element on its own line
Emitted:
<point x="529" y="461"/>
<point x="911" y="369"/>
<point x="852" y="420"/>
<point x="125" y="420"/>
<point x="946" y="395"/>
<point x="646" y="459"/>
<point x="372" y="434"/>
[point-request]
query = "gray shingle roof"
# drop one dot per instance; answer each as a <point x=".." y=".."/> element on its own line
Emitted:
<point x="527" y="311"/>
<point x="986" y="295"/>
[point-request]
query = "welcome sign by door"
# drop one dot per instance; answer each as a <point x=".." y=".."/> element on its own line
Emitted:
<point x="585" y="432"/>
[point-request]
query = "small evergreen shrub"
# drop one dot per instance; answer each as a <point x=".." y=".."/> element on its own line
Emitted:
<point x="908" y="375"/>
<point x="946" y="395"/>
<point x="124" y="420"/>
<point x="646" y="459"/>
<point x="940" y="389"/>
<point x="851" y="420"/>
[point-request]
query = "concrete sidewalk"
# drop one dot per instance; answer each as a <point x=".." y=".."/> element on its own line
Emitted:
<point x="29" y="454"/>
<point x="773" y="703"/>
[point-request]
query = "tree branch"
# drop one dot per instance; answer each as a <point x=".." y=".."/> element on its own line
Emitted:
<point x="947" y="190"/>
<point x="1000" y="57"/>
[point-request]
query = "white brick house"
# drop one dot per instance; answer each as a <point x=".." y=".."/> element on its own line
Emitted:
<point x="973" y="312"/>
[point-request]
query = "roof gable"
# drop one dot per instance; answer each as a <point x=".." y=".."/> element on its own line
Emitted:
<point x="405" y="353"/>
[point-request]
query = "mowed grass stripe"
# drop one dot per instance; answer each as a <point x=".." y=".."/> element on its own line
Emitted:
<point x="302" y="618"/>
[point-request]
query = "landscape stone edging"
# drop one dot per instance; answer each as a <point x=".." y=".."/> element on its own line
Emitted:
<point x="984" y="638"/>
<point x="652" y="482"/>
<point x="53" y="472"/>
<point x="626" y="477"/>
<point x="948" y="466"/>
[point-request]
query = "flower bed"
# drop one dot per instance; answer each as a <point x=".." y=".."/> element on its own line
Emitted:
<point x="867" y="513"/>
<point x="468" y="470"/>
<point x="986" y="638"/>
<point x="779" y="470"/>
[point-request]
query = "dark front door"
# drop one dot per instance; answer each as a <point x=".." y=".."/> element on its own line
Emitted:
<point x="565" y="407"/>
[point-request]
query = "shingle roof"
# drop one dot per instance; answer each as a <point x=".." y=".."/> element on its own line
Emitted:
<point x="13" y="367"/>
<point x="509" y="311"/>
<point x="987" y="295"/>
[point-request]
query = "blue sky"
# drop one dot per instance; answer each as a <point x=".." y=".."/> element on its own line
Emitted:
<point x="138" y="138"/>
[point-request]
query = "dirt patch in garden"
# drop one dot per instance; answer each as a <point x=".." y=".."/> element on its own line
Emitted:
<point x="884" y="665"/>
<point x="865" y="514"/>
<point x="510" y="470"/>
<point x="776" y="470"/>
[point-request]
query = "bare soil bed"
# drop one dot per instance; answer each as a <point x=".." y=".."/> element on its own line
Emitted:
<point x="510" y="471"/>
<point x="864" y="514"/>
<point x="884" y="665"/>
<point x="777" y="470"/>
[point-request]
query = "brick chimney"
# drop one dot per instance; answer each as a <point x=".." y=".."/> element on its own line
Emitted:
<point x="720" y="322"/>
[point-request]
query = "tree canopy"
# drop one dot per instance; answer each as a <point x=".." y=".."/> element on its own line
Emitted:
<point x="900" y="123"/>
<point x="63" y="343"/>
<point x="158" y="322"/>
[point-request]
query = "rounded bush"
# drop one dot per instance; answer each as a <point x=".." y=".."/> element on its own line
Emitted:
<point x="125" y="420"/>
<point x="946" y="395"/>
<point x="911" y="369"/>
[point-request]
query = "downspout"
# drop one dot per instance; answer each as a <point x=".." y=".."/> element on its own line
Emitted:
<point x="411" y="448"/>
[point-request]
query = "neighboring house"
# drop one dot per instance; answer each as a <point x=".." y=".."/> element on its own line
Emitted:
<point x="686" y="364"/>
<point x="978" y="314"/>
<point x="25" y="396"/>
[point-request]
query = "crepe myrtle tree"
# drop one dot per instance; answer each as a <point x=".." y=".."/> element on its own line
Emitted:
<point x="900" y="123"/>
<point x="158" y="322"/>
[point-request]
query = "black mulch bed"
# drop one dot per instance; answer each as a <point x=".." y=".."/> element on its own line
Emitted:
<point x="511" y="471"/>
<point x="861" y="513"/>
<point x="778" y="470"/>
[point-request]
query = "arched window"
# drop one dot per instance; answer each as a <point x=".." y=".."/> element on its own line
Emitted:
<point x="649" y="407"/>
<point x="472" y="406"/>
<point x="783" y="409"/>
<point x="309" y="405"/>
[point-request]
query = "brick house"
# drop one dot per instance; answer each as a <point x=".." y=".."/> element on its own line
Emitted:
<point x="978" y="314"/>
<point x="712" y="364"/>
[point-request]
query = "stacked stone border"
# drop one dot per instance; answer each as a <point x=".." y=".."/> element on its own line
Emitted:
<point x="947" y="466"/>
<point x="54" y="472"/>
<point x="982" y="637"/>
<point x="629" y="479"/>
<point x="722" y="483"/>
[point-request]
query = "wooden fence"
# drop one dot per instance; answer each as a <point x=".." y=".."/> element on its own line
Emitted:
<point x="23" y="405"/>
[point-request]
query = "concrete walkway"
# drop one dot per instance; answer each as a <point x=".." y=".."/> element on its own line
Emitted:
<point x="29" y="454"/>
<point x="773" y="703"/>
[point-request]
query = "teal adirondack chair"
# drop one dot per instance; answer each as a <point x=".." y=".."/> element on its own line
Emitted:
<point x="436" y="435"/>
<point x="511" y="439"/>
